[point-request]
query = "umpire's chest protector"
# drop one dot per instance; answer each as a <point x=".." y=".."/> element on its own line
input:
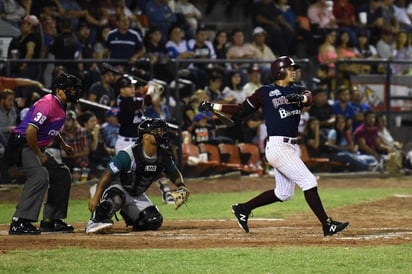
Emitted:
<point x="145" y="171"/>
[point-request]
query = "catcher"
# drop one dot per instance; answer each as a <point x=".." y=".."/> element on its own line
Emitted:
<point x="130" y="172"/>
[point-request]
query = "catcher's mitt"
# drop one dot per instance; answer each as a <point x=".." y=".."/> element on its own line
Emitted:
<point x="180" y="195"/>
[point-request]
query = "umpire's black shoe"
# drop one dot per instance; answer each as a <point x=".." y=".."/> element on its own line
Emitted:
<point x="332" y="227"/>
<point x="21" y="226"/>
<point x="55" y="226"/>
<point x="242" y="216"/>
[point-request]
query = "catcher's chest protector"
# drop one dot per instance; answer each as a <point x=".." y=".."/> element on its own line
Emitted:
<point x="145" y="171"/>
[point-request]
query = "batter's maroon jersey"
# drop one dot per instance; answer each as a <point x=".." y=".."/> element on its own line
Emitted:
<point x="281" y="117"/>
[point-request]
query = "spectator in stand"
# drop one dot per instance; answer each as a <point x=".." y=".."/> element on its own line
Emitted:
<point x="124" y="42"/>
<point x="90" y="71"/>
<point x="345" y="15"/>
<point x="367" y="138"/>
<point x="203" y="49"/>
<point x="160" y="16"/>
<point x="321" y="17"/>
<point x="13" y="10"/>
<point x="97" y="153"/>
<point x="263" y="53"/>
<point x="322" y="79"/>
<point x="375" y="22"/>
<point x="364" y="49"/>
<point x="346" y="51"/>
<point x="254" y="79"/>
<point x="109" y="131"/>
<point x="401" y="14"/>
<point x="409" y="10"/>
<point x="268" y="16"/>
<point x="343" y="107"/>
<point x="99" y="44"/>
<point x="388" y="15"/>
<point x="328" y="53"/>
<point x="178" y="48"/>
<point x="8" y="115"/>
<point x="75" y="136"/>
<point x="157" y="53"/>
<point x="191" y="13"/>
<point x="339" y="140"/>
<point x="213" y="89"/>
<point x="385" y="44"/>
<point x="234" y="89"/>
<point x="356" y="101"/>
<point x="27" y="46"/>
<point x="67" y="46"/>
<point x="158" y="109"/>
<point x="239" y="49"/>
<point x="322" y="110"/>
<point x="103" y="92"/>
<point x="220" y="45"/>
<point x="402" y="51"/>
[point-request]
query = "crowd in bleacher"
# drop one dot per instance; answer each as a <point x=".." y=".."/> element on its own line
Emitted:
<point x="144" y="37"/>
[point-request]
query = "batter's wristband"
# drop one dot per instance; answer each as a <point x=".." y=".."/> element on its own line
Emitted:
<point x="217" y="107"/>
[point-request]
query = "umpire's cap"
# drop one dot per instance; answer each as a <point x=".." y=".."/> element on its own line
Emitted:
<point x="279" y="66"/>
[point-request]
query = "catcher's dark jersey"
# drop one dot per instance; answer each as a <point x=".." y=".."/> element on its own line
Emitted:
<point x="281" y="117"/>
<point x="137" y="171"/>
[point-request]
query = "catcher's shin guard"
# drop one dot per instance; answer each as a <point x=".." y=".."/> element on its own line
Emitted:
<point x="112" y="201"/>
<point x="149" y="219"/>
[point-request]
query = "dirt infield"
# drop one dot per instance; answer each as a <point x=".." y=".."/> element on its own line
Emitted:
<point x="382" y="222"/>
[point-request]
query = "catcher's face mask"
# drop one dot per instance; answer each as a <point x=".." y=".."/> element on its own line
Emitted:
<point x="161" y="136"/>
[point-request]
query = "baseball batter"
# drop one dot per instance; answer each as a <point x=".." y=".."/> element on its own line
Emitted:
<point x="281" y="103"/>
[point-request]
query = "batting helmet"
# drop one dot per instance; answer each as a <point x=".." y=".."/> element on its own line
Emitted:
<point x="71" y="85"/>
<point x="124" y="81"/>
<point x="279" y="66"/>
<point x="156" y="127"/>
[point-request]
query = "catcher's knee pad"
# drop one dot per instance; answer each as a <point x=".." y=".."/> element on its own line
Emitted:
<point x="149" y="219"/>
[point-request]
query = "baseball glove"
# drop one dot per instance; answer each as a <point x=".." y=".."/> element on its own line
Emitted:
<point x="180" y="195"/>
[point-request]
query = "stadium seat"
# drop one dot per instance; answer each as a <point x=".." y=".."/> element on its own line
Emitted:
<point x="193" y="165"/>
<point x="214" y="155"/>
<point x="232" y="153"/>
<point x="320" y="164"/>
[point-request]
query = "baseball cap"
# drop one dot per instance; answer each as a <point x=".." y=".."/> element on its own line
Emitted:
<point x="70" y="115"/>
<point x="112" y="112"/>
<point x="253" y="68"/>
<point x="200" y="116"/>
<point x="258" y="30"/>
<point x="32" y="19"/>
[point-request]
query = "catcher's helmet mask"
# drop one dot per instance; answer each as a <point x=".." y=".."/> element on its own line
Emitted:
<point x="156" y="127"/>
<point x="280" y="65"/>
<point x="70" y="84"/>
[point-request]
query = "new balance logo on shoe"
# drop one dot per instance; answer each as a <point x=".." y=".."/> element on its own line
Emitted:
<point x="242" y="216"/>
<point x="332" y="227"/>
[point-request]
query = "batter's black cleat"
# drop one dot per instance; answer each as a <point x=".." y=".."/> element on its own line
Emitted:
<point x="55" y="226"/>
<point x="21" y="226"/>
<point x="242" y="216"/>
<point x="332" y="227"/>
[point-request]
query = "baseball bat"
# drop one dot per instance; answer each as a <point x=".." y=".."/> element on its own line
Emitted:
<point x="91" y="103"/>
<point x="224" y="118"/>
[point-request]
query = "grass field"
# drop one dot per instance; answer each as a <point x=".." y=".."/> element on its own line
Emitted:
<point x="294" y="258"/>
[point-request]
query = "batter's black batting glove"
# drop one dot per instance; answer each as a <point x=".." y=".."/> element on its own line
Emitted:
<point x="295" y="98"/>
<point x="205" y="106"/>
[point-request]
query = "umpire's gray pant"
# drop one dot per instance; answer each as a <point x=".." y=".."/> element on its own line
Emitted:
<point x="51" y="175"/>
